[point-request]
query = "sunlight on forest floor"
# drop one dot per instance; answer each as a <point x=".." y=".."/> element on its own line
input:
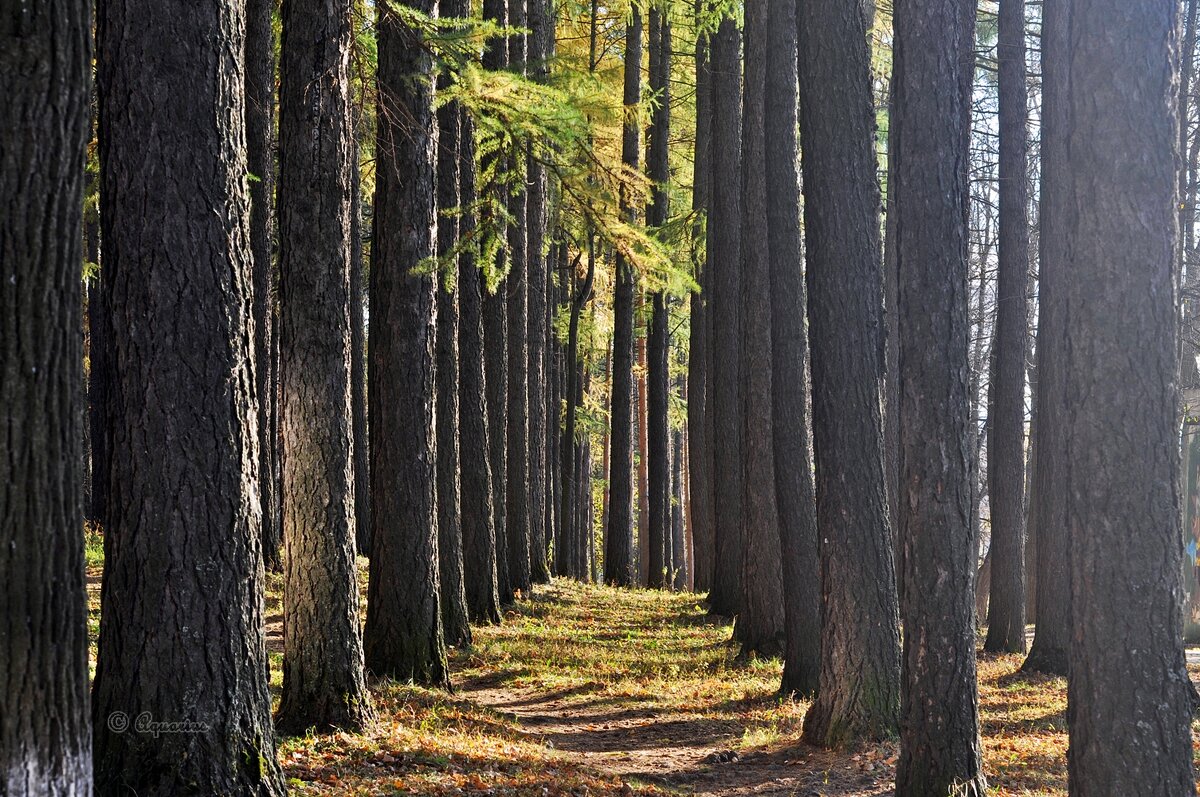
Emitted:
<point x="591" y="690"/>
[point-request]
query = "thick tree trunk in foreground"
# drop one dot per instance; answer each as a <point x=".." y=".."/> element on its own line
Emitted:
<point x="760" y="624"/>
<point x="725" y="258"/>
<point x="618" y="552"/>
<point x="1006" y="426"/>
<point x="403" y="636"/>
<point x="860" y="646"/>
<point x="478" y="529"/>
<point x="260" y="162"/>
<point x="457" y="629"/>
<point x="178" y="561"/>
<point x="1052" y="637"/>
<point x="940" y="746"/>
<point x="323" y="683"/>
<point x="659" y="343"/>
<point x="1122" y="435"/>
<point x="45" y="78"/>
<point x="794" y="492"/>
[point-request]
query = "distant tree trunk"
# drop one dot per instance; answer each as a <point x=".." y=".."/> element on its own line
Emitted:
<point x="260" y="162"/>
<point x="518" y="491"/>
<point x="760" y="623"/>
<point x="891" y="315"/>
<point x="541" y="42"/>
<point x="679" y="553"/>
<point x="1121" y="398"/>
<point x="495" y="339"/>
<point x="554" y="419"/>
<point x="724" y="256"/>
<point x="404" y="636"/>
<point x="860" y="645"/>
<point x="572" y="534"/>
<point x="323" y="683"/>
<point x="1006" y="424"/>
<point x="45" y="77"/>
<point x="1052" y="637"/>
<point x="940" y="751"/>
<point x="659" y="343"/>
<point x="641" y="408"/>
<point x="618" y="553"/>
<point x="181" y="630"/>
<point x="457" y="629"/>
<point x="100" y="383"/>
<point x="699" y="418"/>
<point x="789" y="363"/>
<point x="358" y="357"/>
<point x="478" y="526"/>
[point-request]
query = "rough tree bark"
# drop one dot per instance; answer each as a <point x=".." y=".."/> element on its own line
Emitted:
<point x="860" y="645"/>
<point x="794" y="491"/>
<point x="404" y="637"/>
<point x="456" y="627"/>
<point x="45" y="78"/>
<point x="760" y="624"/>
<point x="618" y="552"/>
<point x="940" y="750"/>
<point x="1052" y="636"/>
<point x="1122" y="435"/>
<point x="1006" y="422"/>
<point x="724" y="259"/>
<point x="183" y="544"/>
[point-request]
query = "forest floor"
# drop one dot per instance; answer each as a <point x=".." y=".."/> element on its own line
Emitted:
<point x="590" y="690"/>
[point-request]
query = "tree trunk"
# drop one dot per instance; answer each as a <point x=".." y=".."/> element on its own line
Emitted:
<point x="680" y="561"/>
<point x="183" y="536"/>
<point x="358" y="359"/>
<point x="572" y="534"/>
<point x="618" y="553"/>
<point x="478" y="523"/>
<point x="940" y="750"/>
<point x="794" y="494"/>
<point x="45" y="77"/>
<point x="260" y="162"/>
<point x="760" y="624"/>
<point x="860" y="646"/>
<point x="456" y="627"/>
<point x="1006" y="422"/>
<point x="1121" y="426"/>
<point x="404" y="637"/>
<point x="699" y="418"/>
<point x="1052" y="636"/>
<point x="724" y="255"/>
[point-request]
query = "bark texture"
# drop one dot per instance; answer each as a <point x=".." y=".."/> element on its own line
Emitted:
<point x="1128" y="707"/>
<point x="45" y="78"/>
<point x="860" y="645"/>
<point x="794" y="492"/>
<point x="939" y="728"/>
<point x="181" y="631"/>
<point x="404" y="638"/>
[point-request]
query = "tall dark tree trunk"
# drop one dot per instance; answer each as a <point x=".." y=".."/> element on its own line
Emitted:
<point x="760" y="623"/>
<point x="457" y="629"/>
<point x="323" y="683"/>
<point x="518" y="485"/>
<point x="891" y="316"/>
<point x="1006" y="424"/>
<point x="680" y="561"/>
<point x="699" y="418"/>
<point x="541" y="43"/>
<point x="724" y="261"/>
<point x="358" y="356"/>
<point x="183" y="540"/>
<point x="860" y="646"/>
<point x="478" y="525"/>
<point x="940" y="750"/>
<point x="659" y="343"/>
<point x="1052" y="637"/>
<point x="618" y="552"/>
<point x="496" y="334"/>
<point x="1122" y="435"/>
<point x="45" y="78"/>
<point x="404" y="637"/>
<point x="572" y="534"/>
<point x="794" y="493"/>
<point x="260" y="162"/>
<point x="98" y="387"/>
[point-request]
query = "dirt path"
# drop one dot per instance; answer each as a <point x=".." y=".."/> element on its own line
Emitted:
<point x="683" y="752"/>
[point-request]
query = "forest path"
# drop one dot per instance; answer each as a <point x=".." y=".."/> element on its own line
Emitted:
<point x="642" y="686"/>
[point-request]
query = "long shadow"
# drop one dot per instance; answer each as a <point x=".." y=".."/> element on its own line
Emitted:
<point x="673" y="733"/>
